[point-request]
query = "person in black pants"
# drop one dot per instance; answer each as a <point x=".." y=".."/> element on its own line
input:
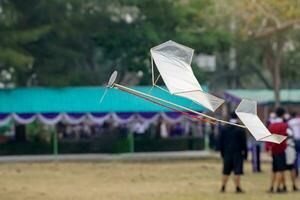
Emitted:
<point x="233" y="147"/>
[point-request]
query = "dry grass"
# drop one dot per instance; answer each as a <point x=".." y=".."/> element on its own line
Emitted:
<point x="167" y="180"/>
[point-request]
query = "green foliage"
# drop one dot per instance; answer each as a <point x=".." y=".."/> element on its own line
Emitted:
<point x="75" y="42"/>
<point x="12" y="57"/>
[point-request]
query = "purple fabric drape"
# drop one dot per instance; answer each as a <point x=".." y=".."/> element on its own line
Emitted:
<point x="99" y="115"/>
<point x="24" y="118"/>
<point x="147" y="115"/>
<point x="3" y="116"/>
<point x="173" y="115"/>
<point x="97" y="118"/>
<point x="75" y="115"/>
<point x="50" y="115"/>
<point x="125" y="115"/>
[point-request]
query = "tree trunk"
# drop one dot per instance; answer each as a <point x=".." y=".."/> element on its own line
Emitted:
<point x="277" y="81"/>
<point x="274" y="65"/>
<point x="277" y="72"/>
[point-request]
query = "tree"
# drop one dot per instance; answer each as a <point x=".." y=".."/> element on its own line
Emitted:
<point x="269" y="26"/>
<point x="14" y="58"/>
<point x="139" y="25"/>
<point x="75" y="42"/>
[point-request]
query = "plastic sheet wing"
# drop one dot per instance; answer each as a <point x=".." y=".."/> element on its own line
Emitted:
<point x="247" y="112"/>
<point x="173" y="62"/>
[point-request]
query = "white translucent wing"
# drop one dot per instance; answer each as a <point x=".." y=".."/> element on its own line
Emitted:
<point x="275" y="138"/>
<point x="247" y="112"/>
<point x="207" y="100"/>
<point x="172" y="49"/>
<point x="173" y="63"/>
<point x="177" y="75"/>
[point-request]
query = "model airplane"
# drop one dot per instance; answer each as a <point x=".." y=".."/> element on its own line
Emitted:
<point x="173" y="62"/>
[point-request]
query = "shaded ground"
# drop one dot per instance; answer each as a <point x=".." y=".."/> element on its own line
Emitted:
<point x="163" y="180"/>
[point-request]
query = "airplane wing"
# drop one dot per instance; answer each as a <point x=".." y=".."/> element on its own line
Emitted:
<point x="247" y="112"/>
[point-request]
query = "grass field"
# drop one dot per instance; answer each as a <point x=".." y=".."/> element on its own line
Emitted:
<point x="163" y="180"/>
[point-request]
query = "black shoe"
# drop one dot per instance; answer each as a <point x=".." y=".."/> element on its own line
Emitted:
<point x="284" y="189"/>
<point x="271" y="190"/>
<point x="239" y="190"/>
<point x="295" y="189"/>
<point x="222" y="189"/>
<point x="280" y="190"/>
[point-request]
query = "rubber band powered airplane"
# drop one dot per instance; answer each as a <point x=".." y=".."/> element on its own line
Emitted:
<point x="173" y="62"/>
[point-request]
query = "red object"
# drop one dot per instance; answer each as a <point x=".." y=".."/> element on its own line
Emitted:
<point x="281" y="129"/>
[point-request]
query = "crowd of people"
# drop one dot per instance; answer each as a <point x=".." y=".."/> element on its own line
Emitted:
<point x="164" y="129"/>
<point x="81" y="131"/>
<point x="160" y="128"/>
<point x="285" y="156"/>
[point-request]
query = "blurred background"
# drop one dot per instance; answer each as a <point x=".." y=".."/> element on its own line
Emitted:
<point x="243" y="49"/>
<point x="56" y="57"/>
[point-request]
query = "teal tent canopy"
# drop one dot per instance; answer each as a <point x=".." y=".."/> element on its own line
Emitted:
<point x="83" y="100"/>
<point x="262" y="96"/>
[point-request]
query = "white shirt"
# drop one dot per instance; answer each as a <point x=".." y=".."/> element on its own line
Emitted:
<point x="294" y="124"/>
<point x="163" y="130"/>
<point x="139" y="128"/>
<point x="290" y="151"/>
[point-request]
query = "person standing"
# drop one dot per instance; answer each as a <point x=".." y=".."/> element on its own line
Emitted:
<point x="290" y="153"/>
<point x="233" y="148"/>
<point x="278" y="126"/>
<point x="294" y="124"/>
<point x="255" y="151"/>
